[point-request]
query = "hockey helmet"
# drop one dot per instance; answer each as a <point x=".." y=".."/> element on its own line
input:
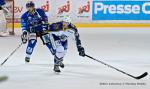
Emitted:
<point x="30" y="4"/>
<point x="67" y="19"/>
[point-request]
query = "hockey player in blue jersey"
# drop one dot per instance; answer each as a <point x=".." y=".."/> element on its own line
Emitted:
<point x="34" y="23"/>
<point x="59" y="34"/>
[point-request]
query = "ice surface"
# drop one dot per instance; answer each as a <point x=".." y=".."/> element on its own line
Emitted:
<point x="125" y="48"/>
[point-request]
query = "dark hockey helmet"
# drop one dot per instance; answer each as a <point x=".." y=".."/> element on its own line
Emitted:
<point x="30" y="4"/>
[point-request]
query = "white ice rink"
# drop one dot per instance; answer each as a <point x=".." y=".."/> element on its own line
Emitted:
<point x="125" y="48"/>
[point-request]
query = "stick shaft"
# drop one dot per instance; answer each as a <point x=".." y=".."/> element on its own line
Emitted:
<point x="117" y="68"/>
<point x="11" y="54"/>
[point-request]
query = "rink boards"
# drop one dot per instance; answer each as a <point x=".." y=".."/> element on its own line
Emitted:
<point x="93" y="13"/>
<point x="97" y="25"/>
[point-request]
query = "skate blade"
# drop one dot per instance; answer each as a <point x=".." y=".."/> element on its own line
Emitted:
<point x="57" y="73"/>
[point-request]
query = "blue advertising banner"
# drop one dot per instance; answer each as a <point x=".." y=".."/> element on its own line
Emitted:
<point x="120" y="10"/>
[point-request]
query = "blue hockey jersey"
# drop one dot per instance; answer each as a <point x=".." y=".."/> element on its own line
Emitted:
<point x="55" y="27"/>
<point x="59" y="27"/>
<point x="34" y="22"/>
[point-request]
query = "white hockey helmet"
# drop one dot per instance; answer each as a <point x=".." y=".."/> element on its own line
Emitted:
<point x="67" y="19"/>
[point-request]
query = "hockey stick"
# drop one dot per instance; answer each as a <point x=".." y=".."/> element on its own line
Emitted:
<point x="11" y="54"/>
<point x="3" y="78"/>
<point x="138" y="77"/>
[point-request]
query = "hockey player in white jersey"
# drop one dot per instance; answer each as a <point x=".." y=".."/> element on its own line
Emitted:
<point x="3" y="6"/>
<point x="3" y="10"/>
<point x="59" y="34"/>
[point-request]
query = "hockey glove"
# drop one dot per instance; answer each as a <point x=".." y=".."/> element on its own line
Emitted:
<point x="24" y="37"/>
<point x="45" y="25"/>
<point x="45" y="28"/>
<point x="81" y="51"/>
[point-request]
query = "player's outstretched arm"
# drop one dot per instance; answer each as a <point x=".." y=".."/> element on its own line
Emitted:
<point x="78" y="41"/>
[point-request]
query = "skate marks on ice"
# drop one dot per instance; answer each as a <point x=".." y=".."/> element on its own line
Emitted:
<point x="84" y="71"/>
<point x="72" y="70"/>
<point x="72" y="74"/>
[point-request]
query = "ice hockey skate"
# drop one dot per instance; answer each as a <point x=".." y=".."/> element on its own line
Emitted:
<point x="56" y="68"/>
<point x="27" y="59"/>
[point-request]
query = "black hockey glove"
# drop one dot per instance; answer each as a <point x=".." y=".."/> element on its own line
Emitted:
<point x="81" y="51"/>
<point x="24" y="37"/>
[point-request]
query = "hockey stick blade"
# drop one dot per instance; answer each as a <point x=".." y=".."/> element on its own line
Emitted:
<point x="141" y="76"/>
<point x="3" y="78"/>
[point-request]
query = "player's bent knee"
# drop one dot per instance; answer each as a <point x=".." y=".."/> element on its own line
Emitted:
<point x="60" y="52"/>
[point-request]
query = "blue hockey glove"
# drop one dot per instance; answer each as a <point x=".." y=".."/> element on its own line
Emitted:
<point x="45" y="26"/>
